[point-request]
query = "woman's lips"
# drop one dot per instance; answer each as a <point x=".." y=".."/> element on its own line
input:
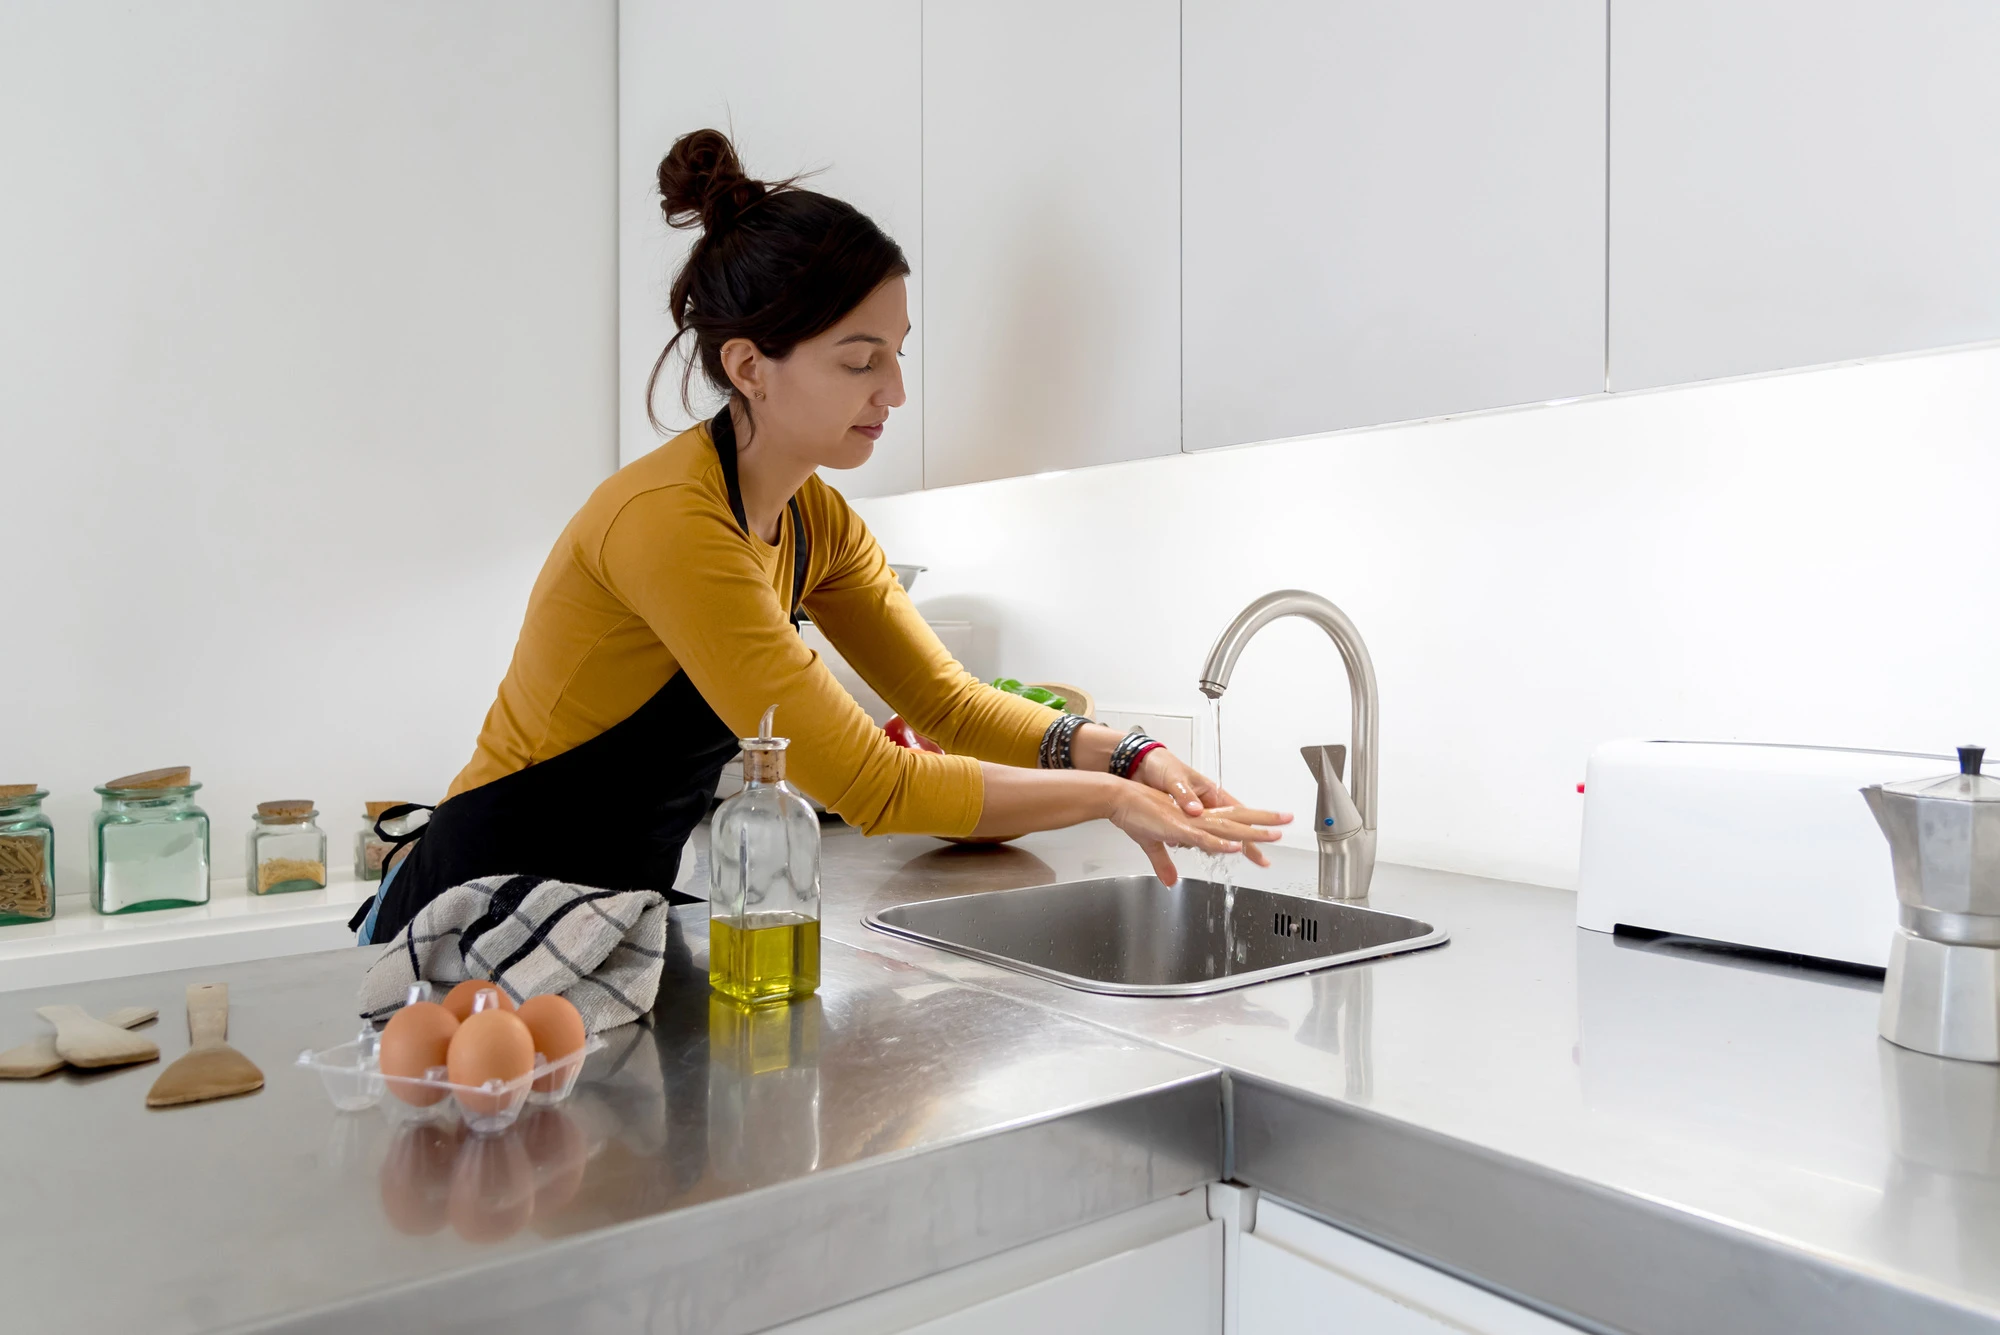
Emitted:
<point x="872" y="432"/>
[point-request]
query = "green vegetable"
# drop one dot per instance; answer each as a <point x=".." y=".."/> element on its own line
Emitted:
<point x="1039" y="694"/>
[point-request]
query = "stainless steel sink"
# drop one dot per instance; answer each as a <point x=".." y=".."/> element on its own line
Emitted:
<point x="1134" y="936"/>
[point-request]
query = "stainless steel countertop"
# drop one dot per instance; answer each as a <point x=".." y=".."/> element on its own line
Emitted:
<point x="895" y="1125"/>
<point x="1634" y="1138"/>
<point x="1639" y="1138"/>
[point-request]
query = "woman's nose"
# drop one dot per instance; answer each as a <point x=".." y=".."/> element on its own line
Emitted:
<point x="892" y="395"/>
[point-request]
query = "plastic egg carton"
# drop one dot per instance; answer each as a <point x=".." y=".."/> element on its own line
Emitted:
<point x="351" y="1073"/>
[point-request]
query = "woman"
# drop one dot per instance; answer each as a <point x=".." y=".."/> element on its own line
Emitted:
<point x="665" y="620"/>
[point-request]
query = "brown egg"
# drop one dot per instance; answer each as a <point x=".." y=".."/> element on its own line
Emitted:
<point x="459" y="1000"/>
<point x="558" y="1030"/>
<point x="416" y="1039"/>
<point x="416" y="1177"/>
<point x="492" y="1188"/>
<point x="490" y="1045"/>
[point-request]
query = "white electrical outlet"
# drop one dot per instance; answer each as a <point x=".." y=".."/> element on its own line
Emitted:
<point x="1176" y="730"/>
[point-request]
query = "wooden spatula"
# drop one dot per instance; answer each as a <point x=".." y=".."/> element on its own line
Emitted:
<point x="210" y="1069"/>
<point x="39" y="1057"/>
<point x="84" y="1040"/>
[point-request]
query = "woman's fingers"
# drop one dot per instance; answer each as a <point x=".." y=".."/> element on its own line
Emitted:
<point x="1163" y="862"/>
<point x="1166" y="772"/>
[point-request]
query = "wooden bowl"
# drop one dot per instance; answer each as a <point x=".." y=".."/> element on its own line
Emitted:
<point x="1078" y="701"/>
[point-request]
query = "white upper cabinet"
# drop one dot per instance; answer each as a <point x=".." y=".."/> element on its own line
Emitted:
<point x="1391" y="210"/>
<point x="803" y="86"/>
<point x="1051" y="235"/>
<point x="1800" y="181"/>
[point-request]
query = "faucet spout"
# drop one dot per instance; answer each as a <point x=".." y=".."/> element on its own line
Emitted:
<point x="1347" y="856"/>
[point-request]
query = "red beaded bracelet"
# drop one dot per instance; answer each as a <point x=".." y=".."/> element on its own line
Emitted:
<point x="1139" y="758"/>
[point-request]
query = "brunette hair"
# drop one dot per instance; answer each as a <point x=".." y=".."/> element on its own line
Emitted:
<point x="774" y="263"/>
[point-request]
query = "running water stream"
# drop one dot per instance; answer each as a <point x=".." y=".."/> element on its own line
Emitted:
<point x="1221" y="867"/>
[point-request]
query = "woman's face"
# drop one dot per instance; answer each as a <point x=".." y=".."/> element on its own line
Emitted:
<point x="829" y="398"/>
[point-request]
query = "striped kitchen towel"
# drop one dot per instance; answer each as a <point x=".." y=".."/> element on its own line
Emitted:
<point x="602" y="949"/>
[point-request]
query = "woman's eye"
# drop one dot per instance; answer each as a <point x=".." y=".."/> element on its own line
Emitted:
<point x="860" y="370"/>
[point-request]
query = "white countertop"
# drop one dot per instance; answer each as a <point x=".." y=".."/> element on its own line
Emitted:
<point x="81" y="945"/>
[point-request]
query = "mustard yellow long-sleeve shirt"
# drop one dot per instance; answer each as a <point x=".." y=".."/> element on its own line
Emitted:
<point x="654" y="576"/>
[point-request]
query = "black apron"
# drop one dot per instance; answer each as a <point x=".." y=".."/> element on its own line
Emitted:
<point x="612" y="813"/>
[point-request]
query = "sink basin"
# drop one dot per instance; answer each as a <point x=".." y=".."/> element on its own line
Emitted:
<point x="1134" y="936"/>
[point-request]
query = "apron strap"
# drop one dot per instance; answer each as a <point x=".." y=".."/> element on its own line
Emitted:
<point x="801" y="557"/>
<point x="722" y="430"/>
<point x="395" y="842"/>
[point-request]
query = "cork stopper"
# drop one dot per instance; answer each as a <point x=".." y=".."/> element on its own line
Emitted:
<point x="764" y="759"/>
<point x="19" y="790"/>
<point x="174" y="776"/>
<point x="764" y="754"/>
<point x="288" y="812"/>
<point x="374" y="810"/>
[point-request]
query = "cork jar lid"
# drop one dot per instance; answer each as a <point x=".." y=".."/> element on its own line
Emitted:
<point x="374" y="810"/>
<point x="8" y="790"/>
<point x="292" y="810"/>
<point x="174" y="776"/>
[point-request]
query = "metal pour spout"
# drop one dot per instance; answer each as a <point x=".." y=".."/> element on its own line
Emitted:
<point x="1346" y="855"/>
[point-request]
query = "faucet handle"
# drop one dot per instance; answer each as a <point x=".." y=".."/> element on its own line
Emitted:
<point x="1336" y="817"/>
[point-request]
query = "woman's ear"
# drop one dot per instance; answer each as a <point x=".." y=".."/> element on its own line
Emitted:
<point x="745" y="367"/>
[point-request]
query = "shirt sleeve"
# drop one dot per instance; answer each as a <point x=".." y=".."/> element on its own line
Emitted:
<point x="862" y="608"/>
<point x="680" y="562"/>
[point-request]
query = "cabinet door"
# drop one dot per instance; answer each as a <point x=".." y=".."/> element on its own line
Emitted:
<point x="1295" y="1274"/>
<point x="802" y="86"/>
<point x="1392" y="211"/>
<point x="1800" y="181"/>
<point x="1052" y="235"/>
<point x="1156" y="1269"/>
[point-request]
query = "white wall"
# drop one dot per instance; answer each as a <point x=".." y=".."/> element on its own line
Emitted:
<point x="1803" y="557"/>
<point x="307" y="352"/>
<point x="804" y="88"/>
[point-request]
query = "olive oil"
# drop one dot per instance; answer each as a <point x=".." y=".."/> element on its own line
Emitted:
<point x="763" y="957"/>
<point x="763" y="883"/>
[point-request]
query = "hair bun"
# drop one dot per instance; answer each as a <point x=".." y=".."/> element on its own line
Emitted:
<point x="702" y="182"/>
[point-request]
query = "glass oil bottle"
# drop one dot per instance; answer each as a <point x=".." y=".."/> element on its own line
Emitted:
<point x="763" y="881"/>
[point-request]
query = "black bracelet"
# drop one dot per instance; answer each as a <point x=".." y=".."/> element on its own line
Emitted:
<point x="1129" y="747"/>
<point x="1059" y="742"/>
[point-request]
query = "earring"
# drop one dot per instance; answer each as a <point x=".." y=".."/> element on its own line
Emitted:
<point x="760" y="396"/>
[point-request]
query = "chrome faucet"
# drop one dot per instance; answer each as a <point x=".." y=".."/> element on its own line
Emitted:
<point x="1345" y="825"/>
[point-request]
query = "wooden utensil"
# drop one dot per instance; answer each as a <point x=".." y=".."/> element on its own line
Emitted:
<point x="84" y="1040"/>
<point x="39" y="1057"/>
<point x="210" y="1069"/>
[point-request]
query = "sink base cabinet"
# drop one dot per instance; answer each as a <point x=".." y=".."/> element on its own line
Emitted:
<point x="1189" y="1266"/>
<point x="1292" y="1273"/>
<point x="1157" y="1269"/>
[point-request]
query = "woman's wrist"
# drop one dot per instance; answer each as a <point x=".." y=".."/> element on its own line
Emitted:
<point x="1092" y="746"/>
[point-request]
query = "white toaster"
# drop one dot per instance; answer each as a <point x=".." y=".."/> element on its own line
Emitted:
<point x="1750" y="844"/>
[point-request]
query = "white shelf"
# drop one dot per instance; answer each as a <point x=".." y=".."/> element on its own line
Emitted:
<point x="80" y="945"/>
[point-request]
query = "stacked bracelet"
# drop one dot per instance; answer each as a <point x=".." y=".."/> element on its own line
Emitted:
<point x="1131" y="753"/>
<point x="1059" y="741"/>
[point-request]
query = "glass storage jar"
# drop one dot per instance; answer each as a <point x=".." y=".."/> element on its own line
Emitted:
<point x="763" y="878"/>
<point x="371" y="851"/>
<point x="286" y="851"/>
<point x="149" y="844"/>
<point x="27" y="855"/>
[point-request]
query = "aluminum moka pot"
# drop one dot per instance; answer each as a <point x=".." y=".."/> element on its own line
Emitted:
<point x="1942" y="993"/>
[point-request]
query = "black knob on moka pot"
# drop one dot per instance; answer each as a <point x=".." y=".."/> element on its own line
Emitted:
<point x="1970" y="758"/>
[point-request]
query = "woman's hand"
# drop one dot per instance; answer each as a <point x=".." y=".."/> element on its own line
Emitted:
<point x="1192" y="790"/>
<point x="1156" y="822"/>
